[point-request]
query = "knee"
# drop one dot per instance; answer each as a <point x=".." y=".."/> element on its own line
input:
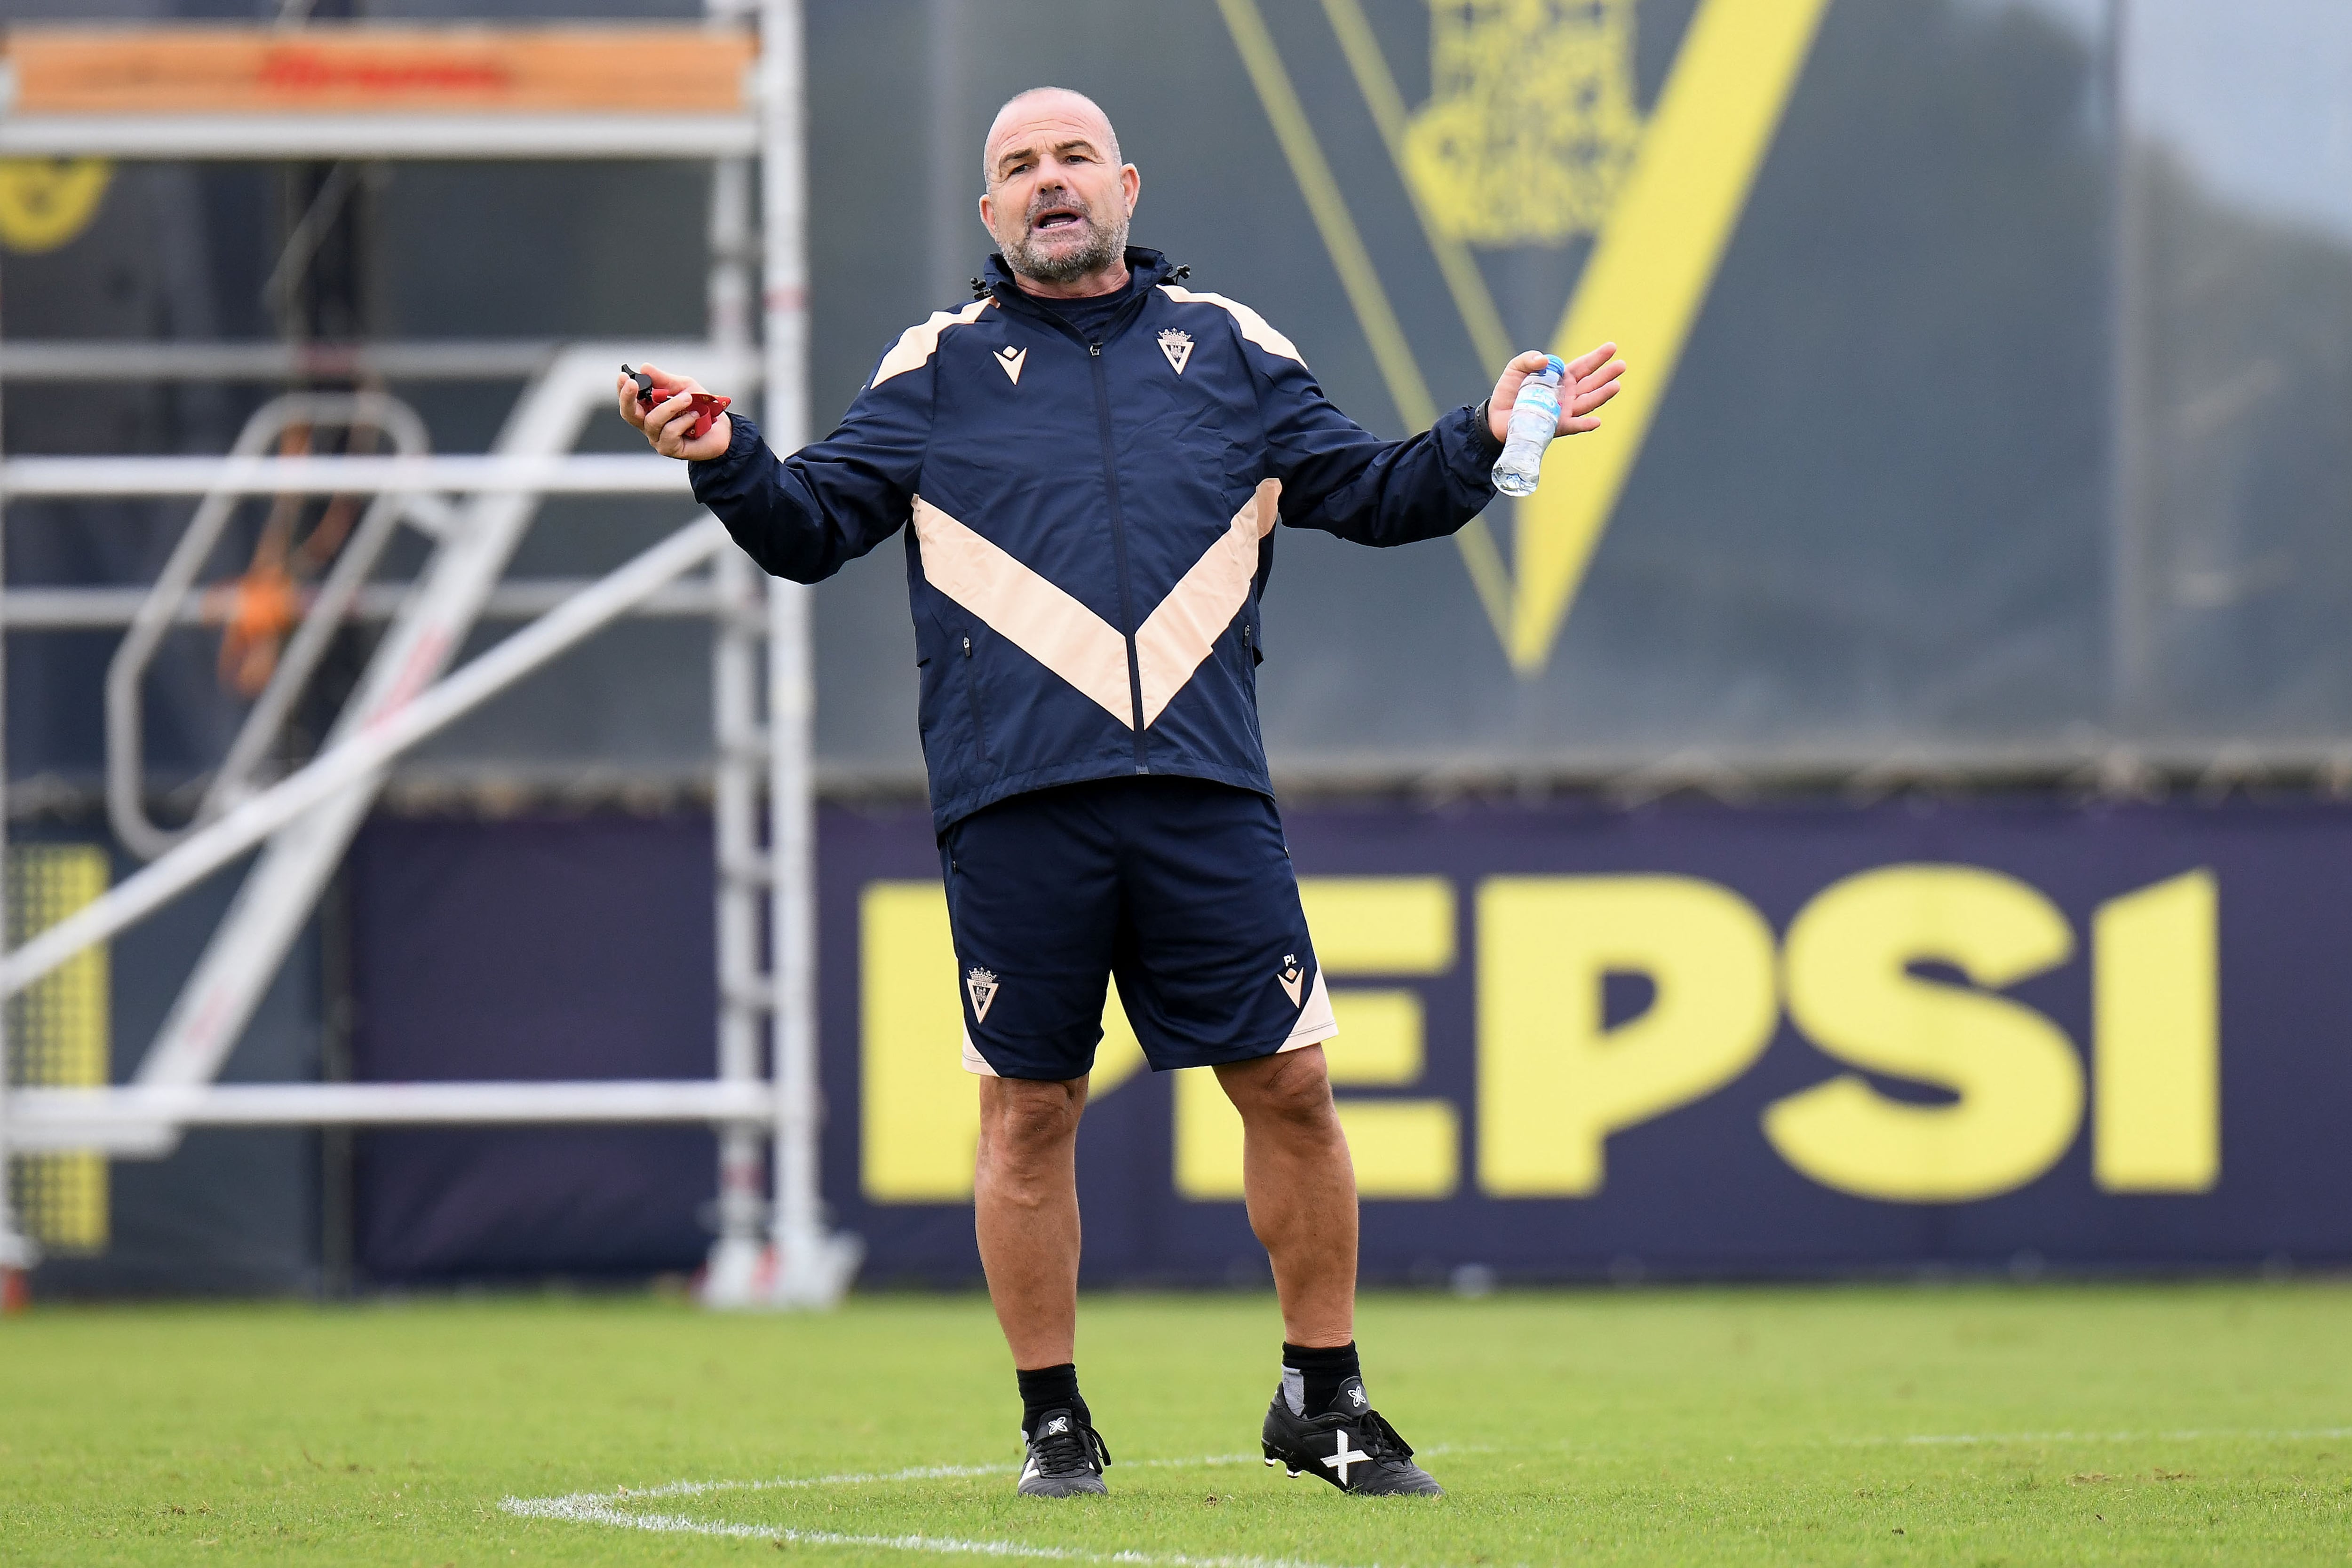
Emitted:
<point x="1293" y="1089"/>
<point x="1026" y="1126"/>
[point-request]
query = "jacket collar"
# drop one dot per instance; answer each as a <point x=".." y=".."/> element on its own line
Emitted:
<point x="1151" y="270"/>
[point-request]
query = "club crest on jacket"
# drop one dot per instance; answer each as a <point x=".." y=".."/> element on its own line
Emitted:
<point x="1178" y="346"/>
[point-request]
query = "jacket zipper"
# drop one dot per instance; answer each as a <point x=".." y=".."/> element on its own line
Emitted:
<point x="1119" y="548"/>
<point x="1110" y="481"/>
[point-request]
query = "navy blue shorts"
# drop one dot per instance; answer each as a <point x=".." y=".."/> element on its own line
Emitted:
<point x="1180" y="888"/>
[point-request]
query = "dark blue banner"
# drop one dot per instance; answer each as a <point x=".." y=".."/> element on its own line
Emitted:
<point x="550" y="948"/>
<point x="1698" y="1041"/>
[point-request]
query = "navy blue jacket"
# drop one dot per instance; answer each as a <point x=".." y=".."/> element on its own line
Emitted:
<point x="1091" y="523"/>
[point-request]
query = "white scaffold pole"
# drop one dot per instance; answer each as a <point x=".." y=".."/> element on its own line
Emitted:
<point x="813" y="1267"/>
<point x="574" y="474"/>
<point x="742" y="1259"/>
<point x="212" y="847"/>
<point x="17" y="1252"/>
<point x="86" y="1118"/>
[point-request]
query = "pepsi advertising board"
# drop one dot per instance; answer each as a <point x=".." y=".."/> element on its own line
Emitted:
<point x="1695" y="1041"/>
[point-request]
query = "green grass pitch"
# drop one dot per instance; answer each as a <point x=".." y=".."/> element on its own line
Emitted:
<point x="1967" y="1424"/>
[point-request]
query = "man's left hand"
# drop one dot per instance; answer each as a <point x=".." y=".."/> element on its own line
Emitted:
<point x="1592" y="381"/>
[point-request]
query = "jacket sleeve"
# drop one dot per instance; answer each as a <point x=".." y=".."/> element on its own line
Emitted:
<point x="1341" y="477"/>
<point x="805" y="516"/>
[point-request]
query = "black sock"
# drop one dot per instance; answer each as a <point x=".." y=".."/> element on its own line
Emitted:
<point x="1050" y="1389"/>
<point x="1320" y="1373"/>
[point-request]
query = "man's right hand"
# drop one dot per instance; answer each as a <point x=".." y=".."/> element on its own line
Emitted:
<point x="667" y="423"/>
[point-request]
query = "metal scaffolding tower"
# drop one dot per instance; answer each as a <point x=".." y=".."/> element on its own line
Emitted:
<point x="728" y="92"/>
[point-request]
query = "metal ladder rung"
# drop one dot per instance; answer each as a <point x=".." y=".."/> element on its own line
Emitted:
<point x="757" y="997"/>
<point x="749" y="871"/>
<point x="747" y="746"/>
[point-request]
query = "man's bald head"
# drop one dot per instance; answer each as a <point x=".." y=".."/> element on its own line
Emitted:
<point x="1059" y="194"/>
<point x="1046" y="110"/>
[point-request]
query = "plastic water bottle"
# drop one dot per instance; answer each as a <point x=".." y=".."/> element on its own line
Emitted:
<point x="1535" y="419"/>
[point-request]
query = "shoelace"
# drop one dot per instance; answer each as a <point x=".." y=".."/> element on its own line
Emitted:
<point x="1380" y="1440"/>
<point x="1065" y="1452"/>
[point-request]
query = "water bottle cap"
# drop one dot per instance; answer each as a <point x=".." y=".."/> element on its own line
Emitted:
<point x="1557" y="366"/>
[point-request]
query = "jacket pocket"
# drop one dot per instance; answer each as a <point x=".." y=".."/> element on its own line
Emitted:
<point x="1250" y="653"/>
<point x="976" y="699"/>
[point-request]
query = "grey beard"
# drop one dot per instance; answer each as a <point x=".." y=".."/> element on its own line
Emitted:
<point x="1106" y="247"/>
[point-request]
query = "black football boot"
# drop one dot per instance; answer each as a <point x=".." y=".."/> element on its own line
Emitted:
<point x="1349" y="1445"/>
<point x="1066" y="1456"/>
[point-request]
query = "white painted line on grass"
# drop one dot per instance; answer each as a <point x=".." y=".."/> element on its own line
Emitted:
<point x="617" y="1508"/>
<point x="597" y="1508"/>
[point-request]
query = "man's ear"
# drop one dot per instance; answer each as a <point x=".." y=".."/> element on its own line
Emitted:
<point x="988" y="217"/>
<point x="1130" y="180"/>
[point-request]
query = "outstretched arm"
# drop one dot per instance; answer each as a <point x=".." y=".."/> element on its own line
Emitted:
<point x="805" y="516"/>
<point x="1341" y="478"/>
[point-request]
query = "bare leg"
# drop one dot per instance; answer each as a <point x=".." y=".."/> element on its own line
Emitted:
<point x="1301" y="1189"/>
<point x="1025" y="1202"/>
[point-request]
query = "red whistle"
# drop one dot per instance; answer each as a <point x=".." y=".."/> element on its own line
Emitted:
<point x="707" y="408"/>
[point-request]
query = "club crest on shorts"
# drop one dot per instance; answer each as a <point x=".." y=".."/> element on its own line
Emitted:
<point x="1178" y="347"/>
<point x="982" y="983"/>
<point x="1292" y="977"/>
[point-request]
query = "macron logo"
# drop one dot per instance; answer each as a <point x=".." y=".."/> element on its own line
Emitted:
<point x="1009" y="359"/>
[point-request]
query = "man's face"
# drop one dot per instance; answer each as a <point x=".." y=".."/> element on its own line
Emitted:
<point x="1058" y="201"/>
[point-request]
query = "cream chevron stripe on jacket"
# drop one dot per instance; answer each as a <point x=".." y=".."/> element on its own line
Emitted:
<point x="1075" y="643"/>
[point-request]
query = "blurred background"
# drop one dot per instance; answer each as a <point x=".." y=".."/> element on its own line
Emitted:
<point x="1881" y="808"/>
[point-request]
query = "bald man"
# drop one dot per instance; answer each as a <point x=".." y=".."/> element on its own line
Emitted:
<point x="1092" y="458"/>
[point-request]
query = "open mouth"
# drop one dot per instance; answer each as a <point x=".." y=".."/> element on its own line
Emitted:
<point x="1054" y="220"/>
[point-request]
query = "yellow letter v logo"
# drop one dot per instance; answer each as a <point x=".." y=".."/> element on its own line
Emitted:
<point x="1648" y="275"/>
